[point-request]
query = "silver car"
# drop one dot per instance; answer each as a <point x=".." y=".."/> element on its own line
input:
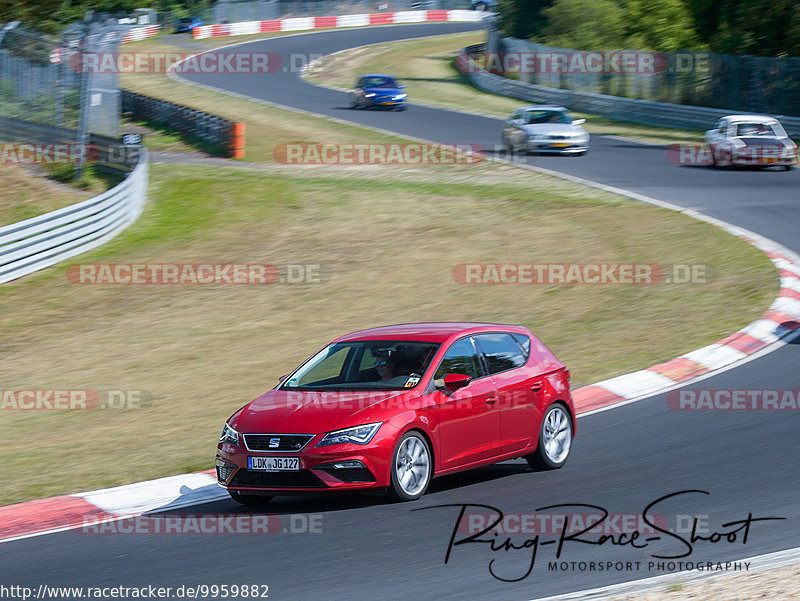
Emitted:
<point x="547" y="129"/>
<point x="753" y="140"/>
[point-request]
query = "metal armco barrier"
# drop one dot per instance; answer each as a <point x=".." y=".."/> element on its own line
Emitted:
<point x="39" y="242"/>
<point x="216" y="131"/>
<point x="106" y="152"/>
<point x="625" y="109"/>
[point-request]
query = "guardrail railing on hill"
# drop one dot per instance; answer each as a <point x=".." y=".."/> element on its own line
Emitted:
<point x="625" y="109"/>
<point x="41" y="241"/>
<point x="102" y="151"/>
<point x="216" y="131"/>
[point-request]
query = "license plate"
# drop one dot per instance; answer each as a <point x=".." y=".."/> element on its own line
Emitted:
<point x="769" y="159"/>
<point x="273" y="464"/>
<point x="559" y="144"/>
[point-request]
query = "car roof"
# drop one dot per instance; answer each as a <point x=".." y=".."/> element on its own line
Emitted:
<point x="428" y="331"/>
<point x="751" y="118"/>
<point x="378" y="75"/>
<point x="543" y="107"/>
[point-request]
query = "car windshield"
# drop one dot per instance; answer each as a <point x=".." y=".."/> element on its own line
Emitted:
<point x="186" y="20"/>
<point x="378" y="82"/>
<point x="757" y="129"/>
<point x="372" y="364"/>
<point x="545" y="116"/>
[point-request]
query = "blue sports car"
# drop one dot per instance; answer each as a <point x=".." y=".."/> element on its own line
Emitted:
<point x="382" y="91"/>
<point x="188" y="24"/>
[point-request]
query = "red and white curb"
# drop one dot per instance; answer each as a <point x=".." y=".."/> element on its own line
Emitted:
<point x="46" y="516"/>
<point x="362" y="20"/>
<point x="140" y="33"/>
<point x="780" y="321"/>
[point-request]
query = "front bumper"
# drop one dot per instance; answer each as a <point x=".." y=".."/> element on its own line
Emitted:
<point x="385" y="103"/>
<point x="557" y="147"/>
<point x="338" y="468"/>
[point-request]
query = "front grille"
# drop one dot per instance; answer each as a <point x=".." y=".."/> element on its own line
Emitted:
<point x="300" y="479"/>
<point x="286" y="442"/>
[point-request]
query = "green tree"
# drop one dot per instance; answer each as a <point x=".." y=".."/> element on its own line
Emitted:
<point x="522" y="18"/>
<point x="584" y="25"/>
<point x="757" y="27"/>
<point x="660" y="25"/>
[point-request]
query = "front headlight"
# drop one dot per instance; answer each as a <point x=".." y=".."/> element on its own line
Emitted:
<point x="400" y="97"/>
<point x="229" y="435"/>
<point x="370" y="95"/>
<point x="356" y="435"/>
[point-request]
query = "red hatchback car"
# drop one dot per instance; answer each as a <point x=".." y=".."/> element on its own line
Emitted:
<point x="392" y="407"/>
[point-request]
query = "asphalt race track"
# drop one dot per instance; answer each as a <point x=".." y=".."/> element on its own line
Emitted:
<point x="623" y="459"/>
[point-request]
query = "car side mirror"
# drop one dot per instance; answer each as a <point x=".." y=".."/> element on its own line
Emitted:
<point x="579" y="122"/>
<point x="282" y="379"/>
<point x="456" y="381"/>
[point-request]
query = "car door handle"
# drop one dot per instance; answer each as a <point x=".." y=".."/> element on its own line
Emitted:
<point x="491" y="400"/>
<point x="537" y="386"/>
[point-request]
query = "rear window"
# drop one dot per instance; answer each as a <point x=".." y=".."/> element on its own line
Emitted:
<point x="501" y="351"/>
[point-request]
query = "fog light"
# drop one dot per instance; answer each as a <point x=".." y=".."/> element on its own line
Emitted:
<point x="225" y="470"/>
<point x="350" y="471"/>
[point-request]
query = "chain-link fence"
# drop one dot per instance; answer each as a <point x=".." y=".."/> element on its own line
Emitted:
<point x="743" y="83"/>
<point x="43" y="79"/>
<point x="232" y="11"/>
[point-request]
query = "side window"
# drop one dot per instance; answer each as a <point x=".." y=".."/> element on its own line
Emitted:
<point x="525" y="343"/>
<point x="461" y="358"/>
<point x="501" y="352"/>
<point x="723" y="127"/>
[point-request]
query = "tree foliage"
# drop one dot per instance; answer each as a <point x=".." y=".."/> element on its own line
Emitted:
<point x="51" y="16"/>
<point x="584" y="25"/>
<point x="755" y="27"/>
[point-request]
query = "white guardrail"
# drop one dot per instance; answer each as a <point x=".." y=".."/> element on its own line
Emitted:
<point x="36" y="243"/>
<point x="646" y="112"/>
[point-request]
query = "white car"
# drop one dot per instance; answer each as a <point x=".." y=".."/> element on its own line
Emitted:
<point x="547" y="129"/>
<point x="752" y="140"/>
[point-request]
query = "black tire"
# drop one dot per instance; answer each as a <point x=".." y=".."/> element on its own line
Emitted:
<point x="544" y="459"/>
<point x="411" y="491"/>
<point x="249" y="499"/>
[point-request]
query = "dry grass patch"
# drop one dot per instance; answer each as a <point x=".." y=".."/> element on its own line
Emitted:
<point x="24" y="193"/>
